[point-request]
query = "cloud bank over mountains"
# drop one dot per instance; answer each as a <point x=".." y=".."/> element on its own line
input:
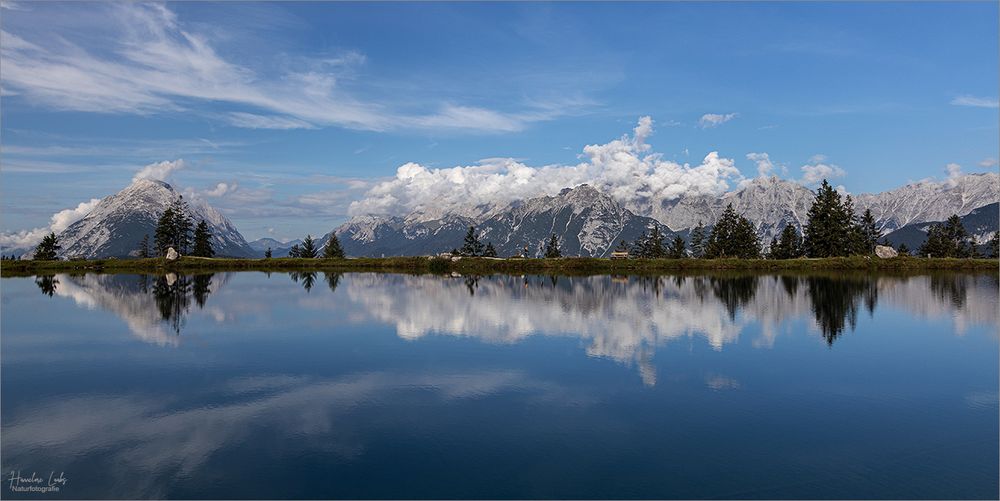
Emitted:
<point x="625" y="168"/>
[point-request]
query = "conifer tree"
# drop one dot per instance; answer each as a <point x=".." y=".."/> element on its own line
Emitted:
<point x="333" y="250"/>
<point x="472" y="246"/>
<point x="698" y="240"/>
<point x="163" y="237"/>
<point x="144" y="251"/>
<point x="490" y="250"/>
<point x="772" y="250"/>
<point x="828" y="231"/>
<point x="203" y="241"/>
<point x="733" y="236"/>
<point x="181" y="225"/>
<point x="552" y="247"/>
<point x="994" y="245"/>
<point x="650" y="245"/>
<point x="48" y="248"/>
<point x="903" y="250"/>
<point x="869" y="232"/>
<point x="958" y="237"/>
<point x="308" y="249"/>
<point x="677" y="250"/>
<point x="295" y="251"/>
<point x="622" y="246"/>
<point x="948" y="240"/>
<point x="789" y="244"/>
<point x="267" y="253"/>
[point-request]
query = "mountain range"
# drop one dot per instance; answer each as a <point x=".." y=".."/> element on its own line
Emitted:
<point x="587" y="221"/>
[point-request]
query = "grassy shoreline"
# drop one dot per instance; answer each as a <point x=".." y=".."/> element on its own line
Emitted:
<point x="488" y="265"/>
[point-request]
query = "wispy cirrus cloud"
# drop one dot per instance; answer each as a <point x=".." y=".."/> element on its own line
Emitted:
<point x="975" y="101"/>
<point x="149" y="61"/>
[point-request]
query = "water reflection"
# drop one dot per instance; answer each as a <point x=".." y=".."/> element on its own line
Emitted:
<point x="347" y="389"/>
<point x="308" y="278"/>
<point x="47" y="284"/>
<point x="621" y="318"/>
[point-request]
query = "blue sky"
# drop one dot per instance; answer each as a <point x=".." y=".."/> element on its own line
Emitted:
<point x="286" y="113"/>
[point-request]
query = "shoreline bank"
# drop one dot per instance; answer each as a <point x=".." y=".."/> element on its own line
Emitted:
<point x="492" y="265"/>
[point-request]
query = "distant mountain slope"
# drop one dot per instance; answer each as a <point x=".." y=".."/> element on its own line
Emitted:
<point x="981" y="223"/>
<point x="769" y="202"/>
<point x="115" y="227"/>
<point x="931" y="201"/>
<point x="772" y="203"/>
<point x="587" y="223"/>
<point x="278" y="248"/>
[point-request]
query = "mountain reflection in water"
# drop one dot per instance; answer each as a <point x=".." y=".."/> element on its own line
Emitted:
<point x="621" y="318"/>
<point x="363" y="385"/>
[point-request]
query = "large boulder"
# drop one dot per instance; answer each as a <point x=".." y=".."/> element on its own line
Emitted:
<point x="172" y="255"/>
<point x="884" y="251"/>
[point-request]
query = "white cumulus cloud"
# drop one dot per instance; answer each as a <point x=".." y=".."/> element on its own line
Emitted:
<point x="709" y="120"/>
<point x="817" y="170"/>
<point x="159" y="171"/>
<point x="59" y="222"/>
<point x="221" y="189"/>
<point x="954" y="172"/>
<point x="624" y="168"/>
<point x="764" y="165"/>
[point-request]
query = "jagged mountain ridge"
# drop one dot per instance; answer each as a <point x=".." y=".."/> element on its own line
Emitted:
<point x="769" y="202"/>
<point x="116" y="226"/>
<point x="586" y="222"/>
<point x="931" y="201"/>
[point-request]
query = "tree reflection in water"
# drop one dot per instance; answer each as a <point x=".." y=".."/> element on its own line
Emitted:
<point x="47" y="284"/>
<point x="308" y="278"/>
<point x="173" y="294"/>
<point x="734" y="292"/>
<point x="621" y="315"/>
<point x="835" y="302"/>
<point x="332" y="280"/>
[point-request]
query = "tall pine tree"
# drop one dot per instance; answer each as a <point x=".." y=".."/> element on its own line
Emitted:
<point x="698" y="240"/>
<point x="308" y="249"/>
<point x="552" y="247"/>
<point x="182" y="225"/>
<point x="828" y="231"/>
<point x="733" y="236"/>
<point x="144" y="251"/>
<point x="203" y="241"/>
<point x="490" y="250"/>
<point x="333" y="250"/>
<point x="789" y="244"/>
<point x="677" y="248"/>
<point x="869" y="232"/>
<point x="48" y="248"/>
<point x="163" y="237"/>
<point x="472" y="246"/>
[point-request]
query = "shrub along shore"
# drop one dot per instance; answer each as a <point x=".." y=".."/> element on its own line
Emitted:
<point x="188" y="264"/>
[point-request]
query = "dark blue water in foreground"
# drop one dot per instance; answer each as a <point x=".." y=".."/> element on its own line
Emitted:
<point x="250" y="385"/>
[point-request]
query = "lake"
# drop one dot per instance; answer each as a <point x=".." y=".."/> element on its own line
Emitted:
<point x="364" y="385"/>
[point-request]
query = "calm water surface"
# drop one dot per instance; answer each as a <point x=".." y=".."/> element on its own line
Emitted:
<point x="251" y="385"/>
